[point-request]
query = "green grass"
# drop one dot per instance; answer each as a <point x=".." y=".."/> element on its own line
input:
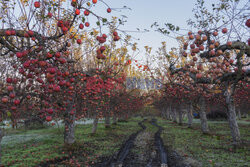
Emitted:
<point x="211" y="150"/>
<point x="47" y="144"/>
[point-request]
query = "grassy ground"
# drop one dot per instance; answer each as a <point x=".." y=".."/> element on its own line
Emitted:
<point x="211" y="150"/>
<point x="46" y="145"/>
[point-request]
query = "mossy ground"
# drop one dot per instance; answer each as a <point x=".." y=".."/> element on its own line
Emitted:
<point x="46" y="145"/>
<point x="211" y="150"/>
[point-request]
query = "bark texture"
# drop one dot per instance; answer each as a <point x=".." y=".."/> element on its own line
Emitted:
<point x="95" y="123"/>
<point x="239" y="114"/>
<point x="69" y="130"/>
<point x="174" y="115"/>
<point x="203" y="116"/>
<point x="107" y="122"/>
<point x="168" y="113"/>
<point x="180" y="113"/>
<point x="190" y="115"/>
<point x="232" y="115"/>
<point x="114" y="119"/>
<point x="1" y="136"/>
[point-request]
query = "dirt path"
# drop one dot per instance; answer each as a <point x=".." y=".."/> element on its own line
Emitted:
<point x="143" y="149"/>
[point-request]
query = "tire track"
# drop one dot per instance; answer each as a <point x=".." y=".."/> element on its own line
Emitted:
<point x="117" y="160"/>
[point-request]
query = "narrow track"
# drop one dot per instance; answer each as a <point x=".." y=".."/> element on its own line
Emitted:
<point x="159" y="144"/>
<point x="118" y="160"/>
<point x="152" y="152"/>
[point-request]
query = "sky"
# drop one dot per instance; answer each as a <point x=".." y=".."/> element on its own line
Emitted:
<point x="144" y="13"/>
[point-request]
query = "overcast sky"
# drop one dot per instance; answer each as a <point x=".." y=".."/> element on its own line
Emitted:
<point x="144" y="13"/>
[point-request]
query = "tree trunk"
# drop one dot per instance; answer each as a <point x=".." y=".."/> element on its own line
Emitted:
<point x="174" y="115"/>
<point x="95" y="123"/>
<point x="190" y="115"/>
<point x="203" y="116"/>
<point x="163" y="113"/>
<point x="114" y="119"/>
<point x="69" y="130"/>
<point x="180" y="116"/>
<point x="232" y="115"/>
<point x="107" y="122"/>
<point x="168" y="113"/>
<point x="239" y="114"/>
<point x="1" y="136"/>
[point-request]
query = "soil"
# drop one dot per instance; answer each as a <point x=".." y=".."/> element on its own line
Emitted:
<point x="144" y="149"/>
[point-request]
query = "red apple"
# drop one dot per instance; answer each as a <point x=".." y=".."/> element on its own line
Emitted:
<point x="215" y="33"/>
<point x="79" y="41"/>
<point x="81" y="26"/>
<point x="248" y="23"/>
<point x="49" y="15"/>
<point x="37" y="4"/>
<point x="10" y="88"/>
<point x="87" y="24"/>
<point x="224" y="30"/>
<point x="77" y="12"/>
<point x="108" y="10"/>
<point x="86" y="12"/>
<point x="48" y="118"/>
<point x="16" y="102"/>
<point x="4" y="99"/>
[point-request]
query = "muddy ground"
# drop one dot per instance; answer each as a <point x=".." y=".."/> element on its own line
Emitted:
<point x="144" y="149"/>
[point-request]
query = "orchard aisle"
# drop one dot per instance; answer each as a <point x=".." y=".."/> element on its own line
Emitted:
<point x="144" y="149"/>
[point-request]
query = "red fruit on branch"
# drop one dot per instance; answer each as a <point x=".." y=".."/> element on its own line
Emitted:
<point x="16" y="102"/>
<point x="60" y="23"/>
<point x="191" y="37"/>
<point x="224" y="30"/>
<point x="102" y="48"/>
<point x="37" y="4"/>
<point x="12" y="95"/>
<point x="4" y="99"/>
<point x="57" y="88"/>
<point x="104" y="36"/>
<point x="7" y="32"/>
<point x="204" y="38"/>
<point x="79" y="41"/>
<point x="31" y="33"/>
<point x="77" y="12"/>
<point x="49" y="15"/>
<point x="102" y="40"/>
<point x="87" y="24"/>
<point x="9" y="80"/>
<point x="109" y="10"/>
<point x="115" y="33"/>
<point x="13" y="32"/>
<point x="48" y="118"/>
<point x="50" y="111"/>
<point x="58" y="54"/>
<point x="49" y="55"/>
<point x="10" y="88"/>
<point x="201" y="48"/>
<point x="248" y="23"/>
<point x="116" y="38"/>
<point x="19" y="54"/>
<point x="215" y="33"/>
<point x="86" y="12"/>
<point x="81" y="26"/>
<point x="229" y="43"/>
